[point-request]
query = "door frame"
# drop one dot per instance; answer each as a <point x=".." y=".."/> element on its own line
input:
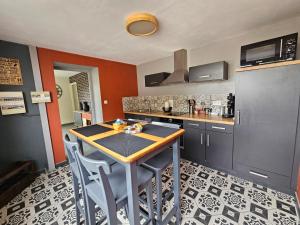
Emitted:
<point x="94" y="87"/>
<point x="47" y="63"/>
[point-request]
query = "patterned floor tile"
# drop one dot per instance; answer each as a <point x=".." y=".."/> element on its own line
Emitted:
<point x="22" y="197"/>
<point x="240" y="181"/>
<point x="47" y="215"/>
<point x="219" y="181"/>
<point x="198" y="183"/>
<point x="207" y="170"/>
<point x="279" y="217"/>
<point x="19" y="217"/>
<point x="210" y="203"/>
<point x="221" y="220"/>
<point x="253" y="219"/>
<point x="261" y="198"/>
<point x="235" y="200"/>
<point x="3" y="211"/>
<point x="191" y="221"/>
<point x="208" y="196"/>
<point x="283" y="197"/>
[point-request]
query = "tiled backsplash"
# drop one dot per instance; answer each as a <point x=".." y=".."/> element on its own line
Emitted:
<point x="180" y="102"/>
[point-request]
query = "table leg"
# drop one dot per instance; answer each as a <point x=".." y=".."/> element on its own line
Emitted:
<point x="79" y="141"/>
<point x="132" y="192"/>
<point x="176" y="174"/>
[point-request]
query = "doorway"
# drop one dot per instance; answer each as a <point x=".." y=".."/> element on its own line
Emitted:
<point x="78" y="96"/>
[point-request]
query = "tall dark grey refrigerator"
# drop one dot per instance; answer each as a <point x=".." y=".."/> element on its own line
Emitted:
<point x="267" y="108"/>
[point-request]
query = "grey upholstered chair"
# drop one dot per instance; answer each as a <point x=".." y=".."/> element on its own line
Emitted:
<point x="105" y="186"/>
<point x="71" y="148"/>
<point x="157" y="165"/>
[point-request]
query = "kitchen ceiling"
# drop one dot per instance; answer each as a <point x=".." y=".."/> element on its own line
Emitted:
<point x="96" y="27"/>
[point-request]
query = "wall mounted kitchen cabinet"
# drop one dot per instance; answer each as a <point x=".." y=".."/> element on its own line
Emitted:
<point x="208" y="72"/>
<point x="156" y="79"/>
<point x="267" y="104"/>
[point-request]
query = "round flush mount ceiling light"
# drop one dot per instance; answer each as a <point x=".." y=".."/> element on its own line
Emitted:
<point x="141" y="24"/>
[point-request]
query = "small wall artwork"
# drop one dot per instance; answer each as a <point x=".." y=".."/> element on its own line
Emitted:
<point x="40" y="96"/>
<point x="12" y="103"/>
<point x="10" y="72"/>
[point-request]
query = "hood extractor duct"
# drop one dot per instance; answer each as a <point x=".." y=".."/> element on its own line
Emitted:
<point x="180" y="74"/>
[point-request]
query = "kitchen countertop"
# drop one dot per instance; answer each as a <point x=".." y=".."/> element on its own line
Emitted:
<point x="199" y="117"/>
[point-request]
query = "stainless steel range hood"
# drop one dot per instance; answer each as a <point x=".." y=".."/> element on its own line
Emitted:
<point x="180" y="74"/>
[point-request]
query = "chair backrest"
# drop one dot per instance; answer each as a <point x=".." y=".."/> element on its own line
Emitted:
<point x="170" y="125"/>
<point x="96" y="171"/>
<point x="71" y="148"/>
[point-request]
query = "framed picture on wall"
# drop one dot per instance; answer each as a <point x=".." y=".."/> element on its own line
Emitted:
<point x="12" y="103"/>
<point x="40" y="96"/>
<point x="10" y="71"/>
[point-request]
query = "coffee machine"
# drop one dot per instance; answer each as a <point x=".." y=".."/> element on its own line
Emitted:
<point x="192" y="106"/>
<point x="230" y="106"/>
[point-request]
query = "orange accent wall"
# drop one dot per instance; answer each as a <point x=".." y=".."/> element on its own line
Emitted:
<point x="117" y="80"/>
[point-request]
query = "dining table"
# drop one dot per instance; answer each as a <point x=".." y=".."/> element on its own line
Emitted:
<point x="131" y="150"/>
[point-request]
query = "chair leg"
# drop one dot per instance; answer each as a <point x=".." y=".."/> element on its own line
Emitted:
<point x="150" y="201"/>
<point x="91" y="212"/>
<point x="126" y="209"/>
<point x="159" y="196"/>
<point x="111" y="213"/>
<point x="77" y="198"/>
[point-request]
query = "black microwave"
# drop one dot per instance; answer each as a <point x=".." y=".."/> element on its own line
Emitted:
<point x="270" y="51"/>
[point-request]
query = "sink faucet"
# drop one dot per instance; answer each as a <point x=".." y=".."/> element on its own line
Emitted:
<point x="148" y="103"/>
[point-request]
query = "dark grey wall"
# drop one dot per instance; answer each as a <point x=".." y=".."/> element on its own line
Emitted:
<point x="21" y="136"/>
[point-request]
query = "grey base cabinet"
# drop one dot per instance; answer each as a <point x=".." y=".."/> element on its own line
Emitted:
<point x="209" y="144"/>
<point x="219" y="149"/>
<point x="194" y="142"/>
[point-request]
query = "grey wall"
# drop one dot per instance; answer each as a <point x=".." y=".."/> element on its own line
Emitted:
<point x="21" y="136"/>
<point x="228" y="50"/>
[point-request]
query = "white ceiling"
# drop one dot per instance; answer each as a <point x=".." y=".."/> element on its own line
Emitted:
<point x="96" y="27"/>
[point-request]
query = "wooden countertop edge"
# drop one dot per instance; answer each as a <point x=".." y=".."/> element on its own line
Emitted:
<point x="208" y="120"/>
<point x="265" y="66"/>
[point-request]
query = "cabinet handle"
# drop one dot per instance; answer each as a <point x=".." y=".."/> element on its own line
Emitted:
<point x="201" y="137"/>
<point x="154" y="82"/>
<point x="207" y="140"/>
<point x="280" y="50"/>
<point x="258" y="174"/>
<point x="238" y="116"/>
<point x="194" y="124"/>
<point x="219" y="128"/>
<point x="205" y="76"/>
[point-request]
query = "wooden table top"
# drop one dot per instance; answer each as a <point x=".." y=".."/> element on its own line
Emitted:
<point x="126" y="147"/>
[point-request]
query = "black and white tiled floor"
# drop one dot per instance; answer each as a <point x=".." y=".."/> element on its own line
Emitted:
<point x="207" y="197"/>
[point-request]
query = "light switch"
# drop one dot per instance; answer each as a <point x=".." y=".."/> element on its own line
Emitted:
<point x="105" y="102"/>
